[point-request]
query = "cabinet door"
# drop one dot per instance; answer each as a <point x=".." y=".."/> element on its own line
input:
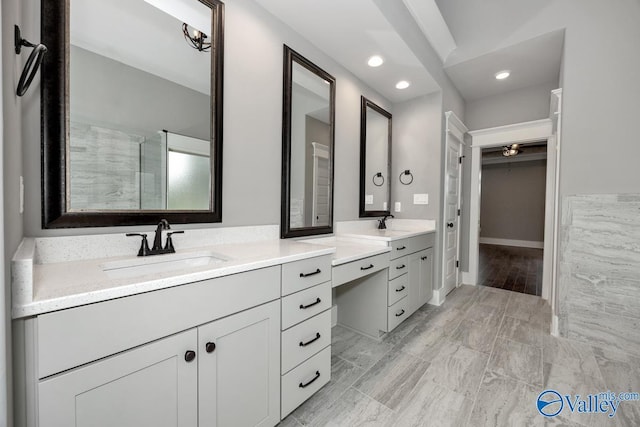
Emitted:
<point x="151" y="385"/>
<point x="239" y="377"/>
<point x="425" y="292"/>
<point x="413" y="296"/>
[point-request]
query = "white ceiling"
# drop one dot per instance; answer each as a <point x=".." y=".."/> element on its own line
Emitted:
<point x="140" y="35"/>
<point x="531" y="62"/>
<point x="351" y="31"/>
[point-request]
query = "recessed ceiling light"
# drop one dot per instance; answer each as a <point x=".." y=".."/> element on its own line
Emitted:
<point x="402" y="84"/>
<point x="501" y="75"/>
<point x="375" y="61"/>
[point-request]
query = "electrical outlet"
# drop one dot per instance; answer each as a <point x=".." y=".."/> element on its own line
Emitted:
<point x="398" y="207"/>
<point x="384" y="206"/>
<point x="420" y="199"/>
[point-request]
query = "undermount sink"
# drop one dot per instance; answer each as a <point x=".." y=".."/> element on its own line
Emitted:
<point x="159" y="264"/>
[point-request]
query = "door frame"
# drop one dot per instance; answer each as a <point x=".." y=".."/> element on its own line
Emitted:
<point x="518" y="133"/>
<point x="456" y="129"/>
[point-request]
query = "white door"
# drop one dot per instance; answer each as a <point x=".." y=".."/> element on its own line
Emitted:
<point x="450" y="230"/>
<point x="151" y="385"/>
<point x="239" y="369"/>
<point x="321" y="185"/>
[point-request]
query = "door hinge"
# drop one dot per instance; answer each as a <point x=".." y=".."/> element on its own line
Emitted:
<point x="458" y="212"/>
<point x="457" y="264"/>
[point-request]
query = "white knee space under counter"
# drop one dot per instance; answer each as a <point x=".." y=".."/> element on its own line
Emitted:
<point x="380" y="277"/>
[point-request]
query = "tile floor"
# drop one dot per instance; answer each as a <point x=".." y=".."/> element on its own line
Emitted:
<point x="480" y="359"/>
<point x="511" y="268"/>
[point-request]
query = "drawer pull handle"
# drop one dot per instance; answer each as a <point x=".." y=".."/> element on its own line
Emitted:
<point x="301" y="385"/>
<point x="423" y="258"/>
<point x="400" y="289"/>
<point x="401" y="248"/>
<point x="401" y="313"/>
<point x="313" y="273"/>
<point x="190" y="355"/>
<point x="317" y="301"/>
<point x="367" y="268"/>
<point x="400" y="267"/>
<point x="304" y="344"/>
<point x="210" y="347"/>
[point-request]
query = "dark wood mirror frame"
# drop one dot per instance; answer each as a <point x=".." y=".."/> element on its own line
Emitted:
<point x="55" y="131"/>
<point x="289" y="57"/>
<point x="365" y="103"/>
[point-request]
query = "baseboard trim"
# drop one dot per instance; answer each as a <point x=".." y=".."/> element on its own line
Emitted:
<point x="555" y="327"/>
<point x="467" y="279"/>
<point x="438" y="297"/>
<point x="509" y="242"/>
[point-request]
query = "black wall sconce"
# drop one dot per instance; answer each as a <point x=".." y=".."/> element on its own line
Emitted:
<point x="32" y="64"/>
<point x="406" y="181"/>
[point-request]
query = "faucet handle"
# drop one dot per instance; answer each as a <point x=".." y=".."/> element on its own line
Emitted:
<point x="144" y="246"/>
<point x="169" y="244"/>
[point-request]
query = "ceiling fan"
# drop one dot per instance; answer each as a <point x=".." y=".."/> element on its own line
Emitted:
<point x="511" y="150"/>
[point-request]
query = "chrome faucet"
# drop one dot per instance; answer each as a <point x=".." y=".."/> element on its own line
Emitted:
<point x="157" y="248"/>
<point x="382" y="224"/>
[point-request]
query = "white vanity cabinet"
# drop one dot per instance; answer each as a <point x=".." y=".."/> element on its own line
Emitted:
<point x="410" y="277"/>
<point x="201" y="354"/>
<point x="306" y="330"/>
<point x="224" y="373"/>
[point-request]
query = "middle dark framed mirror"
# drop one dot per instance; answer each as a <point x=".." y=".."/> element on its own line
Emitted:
<point x="375" y="159"/>
<point x="308" y="116"/>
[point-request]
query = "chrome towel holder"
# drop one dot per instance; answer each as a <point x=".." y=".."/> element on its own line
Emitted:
<point x="33" y="62"/>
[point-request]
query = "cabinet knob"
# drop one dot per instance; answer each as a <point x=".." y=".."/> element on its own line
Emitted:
<point x="210" y="347"/>
<point x="190" y="355"/>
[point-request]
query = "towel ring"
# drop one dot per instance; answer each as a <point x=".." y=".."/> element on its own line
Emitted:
<point x="378" y="175"/>
<point x="33" y="62"/>
<point x="406" y="172"/>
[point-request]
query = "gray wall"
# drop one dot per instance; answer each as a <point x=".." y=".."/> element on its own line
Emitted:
<point x="522" y="105"/>
<point x="11" y="171"/>
<point x="252" y="123"/>
<point x="114" y="95"/>
<point x="417" y="147"/>
<point x="512" y="201"/>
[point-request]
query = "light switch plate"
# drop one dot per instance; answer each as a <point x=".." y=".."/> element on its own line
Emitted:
<point x="398" y="207"/>
<point x="420" y="199"/>
<point x="368" y="199"/>
<point x="384" y="206"/>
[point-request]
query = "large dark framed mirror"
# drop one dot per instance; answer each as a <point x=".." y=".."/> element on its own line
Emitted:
<point x="375" y="160"/>
<point x="308" y="112"/>
<point x="131" y="112"/>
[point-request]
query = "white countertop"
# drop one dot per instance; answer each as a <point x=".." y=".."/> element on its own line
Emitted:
<point x="348" y="250"/>
<point x="396" y="229"/>
<point x="386" y="235"/>
<point x="60" y="285"/>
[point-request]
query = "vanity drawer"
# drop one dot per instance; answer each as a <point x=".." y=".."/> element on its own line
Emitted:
<point x="398" y="289"/>
<point x="303" y="381"/>
<point x="423" y="241"/>
<point x="400" y="248"/>
<point x="305" y="304"/>
<point x="397" y="313"/>
<point x="398" y="267"/>
<point x="304" y="340"/>
<point x="305" y="273"/>
<point x="347" y="272"/>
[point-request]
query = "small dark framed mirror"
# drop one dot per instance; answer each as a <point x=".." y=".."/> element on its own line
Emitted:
<point x="131" y="112"/>
<point x="375" y="159"/>
<point x="308" y="115"/>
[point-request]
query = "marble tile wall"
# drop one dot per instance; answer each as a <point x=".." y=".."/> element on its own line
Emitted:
<point x="599" y="271"/>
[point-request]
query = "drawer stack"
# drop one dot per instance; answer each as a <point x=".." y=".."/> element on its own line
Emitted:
<point x="398" y="284"/>
<point x="306" y="330"/>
